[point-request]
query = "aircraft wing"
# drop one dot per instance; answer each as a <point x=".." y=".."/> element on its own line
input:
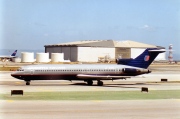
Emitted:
<point x="89" y="76"/>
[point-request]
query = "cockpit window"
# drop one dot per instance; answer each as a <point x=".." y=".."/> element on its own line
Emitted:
<point x="20" y="69"/>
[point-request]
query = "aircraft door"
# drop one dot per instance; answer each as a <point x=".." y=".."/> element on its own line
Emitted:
<point x="32" y="72"/>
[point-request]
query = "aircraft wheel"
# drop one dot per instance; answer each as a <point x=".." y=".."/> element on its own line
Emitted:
<point x="90" y="82"/>
<point x="100" y="83"/>
<point x="27" y="82"/>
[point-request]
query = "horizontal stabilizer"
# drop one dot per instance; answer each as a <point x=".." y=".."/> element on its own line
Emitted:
<point x="159" y="50"/>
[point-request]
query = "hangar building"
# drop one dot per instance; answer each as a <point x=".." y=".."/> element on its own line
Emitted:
<point x="92" y="50"/>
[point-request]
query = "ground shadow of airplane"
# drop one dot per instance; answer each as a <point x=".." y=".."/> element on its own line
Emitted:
<point x="127" y="85"/>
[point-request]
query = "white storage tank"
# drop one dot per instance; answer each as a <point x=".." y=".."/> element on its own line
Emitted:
<point x="42" y="57"/>
<point x="16" y="60"/>
<point x="27" y="57"/>
<point x="57" y="57"/>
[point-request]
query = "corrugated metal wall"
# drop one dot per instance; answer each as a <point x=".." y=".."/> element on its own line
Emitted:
<point x="136" y="52"/>
<point x="122" y="52"/>
<point x="91" y="54"/>
<point x="67" y="52"/>
<point x="70" y="53"/>
<point x="74" y="54"/>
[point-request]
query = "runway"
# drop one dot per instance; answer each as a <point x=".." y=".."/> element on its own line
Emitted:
<point x="128" y="109"/>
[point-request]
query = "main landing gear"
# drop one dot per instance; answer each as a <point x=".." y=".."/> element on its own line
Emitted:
<point x="90" y="82"/>
<point x="27" y="82"/>
<point x="99" y="83"/>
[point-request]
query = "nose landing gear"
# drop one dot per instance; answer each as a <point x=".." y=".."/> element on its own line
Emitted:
<point x="27" y="82"/>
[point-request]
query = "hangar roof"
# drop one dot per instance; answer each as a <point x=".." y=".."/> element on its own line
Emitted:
<point x="106" y="43"/>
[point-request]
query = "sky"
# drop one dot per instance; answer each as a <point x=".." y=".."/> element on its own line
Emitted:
<point x="31" y="24"/>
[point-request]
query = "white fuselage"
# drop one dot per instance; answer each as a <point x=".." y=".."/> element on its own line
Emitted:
<point x="76" y="71"/>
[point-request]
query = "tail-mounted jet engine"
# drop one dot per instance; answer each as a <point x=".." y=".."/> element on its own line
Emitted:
<point x="133" y="70"/>
<point x="123" y="61"/>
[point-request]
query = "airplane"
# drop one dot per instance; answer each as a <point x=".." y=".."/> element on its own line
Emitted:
<point x="9" y="56"/>
<point x="88" y="72"/>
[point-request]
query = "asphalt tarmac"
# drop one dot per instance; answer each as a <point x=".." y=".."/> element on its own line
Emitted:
<point x="126" y="109"/>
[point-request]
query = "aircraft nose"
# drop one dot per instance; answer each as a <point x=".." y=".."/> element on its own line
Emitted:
<point x="15" y="75"/>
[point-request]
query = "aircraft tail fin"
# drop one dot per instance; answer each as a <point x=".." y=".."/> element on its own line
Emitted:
<point x="14" y="53"/>
<point x="143" y="60"/>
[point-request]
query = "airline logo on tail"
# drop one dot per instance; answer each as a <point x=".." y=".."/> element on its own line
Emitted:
<point x="14" y="53"/>
<point x="146" y="58"/>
